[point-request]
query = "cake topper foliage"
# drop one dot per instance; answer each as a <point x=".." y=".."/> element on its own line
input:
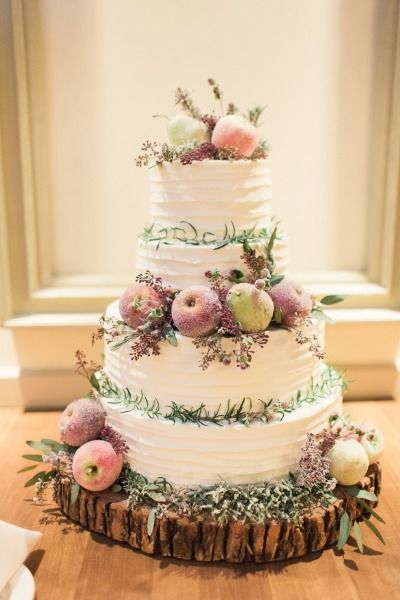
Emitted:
<point x="197" y="136"/>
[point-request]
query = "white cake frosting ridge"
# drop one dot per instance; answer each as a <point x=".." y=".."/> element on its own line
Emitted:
<point x="181" y="265"/>
<point x="211" y="193"/>
<point x="278" y="370"/>
<point x="202" y="455"/>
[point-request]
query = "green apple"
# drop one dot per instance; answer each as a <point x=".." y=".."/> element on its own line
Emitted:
<point x="251" y="308"/>
<point x="348" y="462"/>
<point x="183" y="129"/>
<point x="373" y="444"/>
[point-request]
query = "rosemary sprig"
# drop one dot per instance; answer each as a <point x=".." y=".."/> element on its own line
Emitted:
<point x="244" y="412"/>
<point x="188" y="234"/>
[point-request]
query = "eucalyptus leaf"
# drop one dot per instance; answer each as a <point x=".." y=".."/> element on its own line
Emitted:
<point x="35" y="478"/>
<point x="367" y="508"/>
<point x="36" y="445"/>
<point x="332" y="299"/>
<point x="374" y="529"/>
<point x="116" y="487"/>
<point x="28" y="468"/>
<point x="53" y="444"/>
<point x="358" y="537"/>
<point x="151" y="519"/>
<point x="74" y="492"/>
<point x="34" y="457"/>
<point x="321" y="316"/>
<point x="344" y="530"/>
<point x="357" y="492"/>
<point x="169" y="334"/>
<point x="95" y="382"/>
<point x="275" y="279"/>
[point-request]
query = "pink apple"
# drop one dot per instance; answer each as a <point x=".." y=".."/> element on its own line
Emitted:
<point x="137" y="302"/>
<point x="96" y="465"/>
<point x="236" y="132"/>
<point x="196" y="311"/>
<point x="292" y="300"/>
<point x="81" y="421"/>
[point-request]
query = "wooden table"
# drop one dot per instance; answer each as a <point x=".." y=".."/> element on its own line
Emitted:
<point x="73" y="564"/>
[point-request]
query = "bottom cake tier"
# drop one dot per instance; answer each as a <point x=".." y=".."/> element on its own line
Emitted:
<point x="202" y="538"/>
<point x="207" y="450"/>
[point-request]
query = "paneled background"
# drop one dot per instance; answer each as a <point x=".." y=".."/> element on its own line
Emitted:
<point x="107" y="67"/>
<point x="80" y="85"/>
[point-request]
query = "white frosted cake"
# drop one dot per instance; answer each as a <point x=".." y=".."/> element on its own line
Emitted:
<point x="216" y="196"/>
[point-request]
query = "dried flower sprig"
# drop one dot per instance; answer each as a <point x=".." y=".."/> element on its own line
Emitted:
<point x="314" y="463"/>
<point x="183" y="99"/>
<point x="109" y="434"/>
<point x="210" y="121"/>
<point x="302" y="337"/>
<point x="254" y="114"/>
<point x="206" y="151"/>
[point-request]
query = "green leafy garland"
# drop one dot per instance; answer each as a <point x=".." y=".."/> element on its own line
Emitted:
<point x="244" y="412"/>
<point x="189" y="235"/>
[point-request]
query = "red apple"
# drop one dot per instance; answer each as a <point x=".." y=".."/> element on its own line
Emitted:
<point x="235" y="131"/>
<point x="96" y="465"/>
<point x="196" y="311"/>
<point x="137" y="302"/>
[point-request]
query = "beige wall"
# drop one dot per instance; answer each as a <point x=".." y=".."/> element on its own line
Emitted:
<point x="83" y="79"/>
<point x="108" y="66"/>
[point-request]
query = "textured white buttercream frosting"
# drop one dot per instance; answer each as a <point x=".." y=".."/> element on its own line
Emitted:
<point x="201" y="455"/>
<point x="181" y="265"/>
<point x="212" y="193"/>
<point x="278" y="370"/>
<point x="209" y="195"/>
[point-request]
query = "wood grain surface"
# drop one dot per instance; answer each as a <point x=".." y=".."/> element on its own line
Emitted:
<point x="71" y="563"/>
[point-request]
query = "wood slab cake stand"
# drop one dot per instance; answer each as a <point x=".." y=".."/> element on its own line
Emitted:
<point x="201" y="538"/>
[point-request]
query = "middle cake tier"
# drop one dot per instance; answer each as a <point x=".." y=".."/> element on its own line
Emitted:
<point x="180" y="264"/>
<point x="279" y="370"/>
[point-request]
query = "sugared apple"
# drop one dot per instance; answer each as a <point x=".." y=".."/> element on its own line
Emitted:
<point x="373" y="443"/>
<point x="81" y="421"/>
<point x="96" y="465"/>
<point x="137" y="302"/>
<point x="183" y="129"/>
<point x="196" y="311"/>
<point x="348" y="462"/>
<point x="234" y="131"/>
<point x="251" y="307"/>
<point x="293" y="301"/>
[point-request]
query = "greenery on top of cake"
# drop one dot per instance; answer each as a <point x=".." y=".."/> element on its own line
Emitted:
<point x="197" y="136"/>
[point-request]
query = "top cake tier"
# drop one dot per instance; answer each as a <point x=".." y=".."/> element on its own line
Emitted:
<point x="211" y="194"/>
